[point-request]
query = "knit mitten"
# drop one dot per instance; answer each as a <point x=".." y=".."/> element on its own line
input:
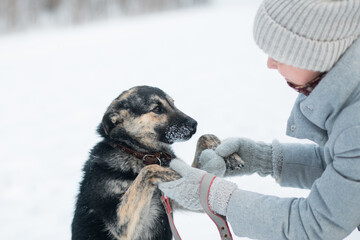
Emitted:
<point x="184" y="191"/>
<point x="264" y="159"/>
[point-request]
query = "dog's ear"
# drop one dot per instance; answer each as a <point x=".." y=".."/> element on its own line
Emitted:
<point x="110" y="120"/>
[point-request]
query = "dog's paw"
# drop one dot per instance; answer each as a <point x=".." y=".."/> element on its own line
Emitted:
<point x="207" y="141"/>
<point x="156" y="174"/>
<point x="234" y="162"/>
<point x="210" y="141"/>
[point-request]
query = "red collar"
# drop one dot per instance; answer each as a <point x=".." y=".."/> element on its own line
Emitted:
<point x="160" y="158"/>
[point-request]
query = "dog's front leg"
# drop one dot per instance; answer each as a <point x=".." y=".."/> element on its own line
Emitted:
<point x="136" y="200"/>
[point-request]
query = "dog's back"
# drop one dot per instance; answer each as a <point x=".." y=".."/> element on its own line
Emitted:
<point x="88" y="222"/>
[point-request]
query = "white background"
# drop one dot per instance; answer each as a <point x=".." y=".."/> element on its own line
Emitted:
<point x="57" y="83"/>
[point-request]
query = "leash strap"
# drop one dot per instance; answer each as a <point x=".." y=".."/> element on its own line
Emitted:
<point x="219" y="220"/>
<point x="166" y="202"/>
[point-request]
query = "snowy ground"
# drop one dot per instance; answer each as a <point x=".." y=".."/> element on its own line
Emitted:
<point x="57" y="83"/>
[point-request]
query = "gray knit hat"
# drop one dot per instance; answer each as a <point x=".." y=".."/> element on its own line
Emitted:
<point x="308" y="34"/>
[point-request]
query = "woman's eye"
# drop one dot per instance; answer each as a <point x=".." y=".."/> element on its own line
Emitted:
<point x="157" y="110"/>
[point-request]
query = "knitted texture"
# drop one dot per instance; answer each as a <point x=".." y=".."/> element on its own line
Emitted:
<point x="257" y="156"/>
<point x="212" y="163"/>
<point x="308" y="34"/>
<point x="264" y="159"/>
<point x="277" y="159"/>
<point x="219" y="195"/>
<point x="184" y="191"/>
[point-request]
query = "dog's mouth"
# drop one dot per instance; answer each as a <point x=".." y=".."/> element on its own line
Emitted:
<point x="180" y="133"/>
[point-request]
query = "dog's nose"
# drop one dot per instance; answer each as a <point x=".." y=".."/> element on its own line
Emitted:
<point x="192" y="124"/>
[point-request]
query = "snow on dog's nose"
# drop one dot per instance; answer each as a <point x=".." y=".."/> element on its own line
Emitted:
<point x="181" y="131"/>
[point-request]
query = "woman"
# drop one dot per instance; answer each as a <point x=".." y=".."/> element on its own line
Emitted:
<point x="315" y="46"/>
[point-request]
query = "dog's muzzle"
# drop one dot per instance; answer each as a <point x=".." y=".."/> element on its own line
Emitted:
<point x="181" y="132"/>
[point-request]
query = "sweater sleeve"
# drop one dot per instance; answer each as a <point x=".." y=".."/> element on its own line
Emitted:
<point x="302" y="164"/>
<point x="331" y="211"/>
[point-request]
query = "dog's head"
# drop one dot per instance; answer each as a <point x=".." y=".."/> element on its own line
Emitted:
<point x="147" y="116"/>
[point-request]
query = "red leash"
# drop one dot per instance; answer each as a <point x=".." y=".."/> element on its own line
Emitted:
<point x="166" y="202"/>
<point x="220" y="221"/>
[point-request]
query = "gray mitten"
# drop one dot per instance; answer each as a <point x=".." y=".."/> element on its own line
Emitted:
<point x="258" y="157"/>
<point x="212" y="163"/>
<point x="185" y="191"/>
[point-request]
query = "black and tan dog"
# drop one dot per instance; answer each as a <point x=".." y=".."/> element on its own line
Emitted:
<point x="119" y="198"/>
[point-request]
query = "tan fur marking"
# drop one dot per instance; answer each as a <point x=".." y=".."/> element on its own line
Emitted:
<point x="170" y="100"/>
<point x="138" y="197"/>
<point x="207" y="141"/>
<point x="164" y="103"/>
<point x="145" y="127"/>
<point x="116" y="186"/>
<point x="126" y="94"/>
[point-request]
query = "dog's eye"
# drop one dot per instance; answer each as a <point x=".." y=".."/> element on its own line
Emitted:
<point x="158" y="110"/>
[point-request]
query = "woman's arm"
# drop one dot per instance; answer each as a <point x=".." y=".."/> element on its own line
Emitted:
<point x="301" y="165"/>
<point x="329" y="212"/>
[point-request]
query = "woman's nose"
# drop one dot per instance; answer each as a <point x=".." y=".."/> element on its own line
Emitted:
<point x="272" y="63"/>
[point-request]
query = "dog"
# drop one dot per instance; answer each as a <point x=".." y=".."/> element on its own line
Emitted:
<point x="119" y="197"/>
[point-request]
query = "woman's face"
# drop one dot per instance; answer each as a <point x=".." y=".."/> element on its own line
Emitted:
<point x="294" y="75"/>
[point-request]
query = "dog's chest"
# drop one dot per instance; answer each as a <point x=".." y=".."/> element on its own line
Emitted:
<point x="150" y="218"/>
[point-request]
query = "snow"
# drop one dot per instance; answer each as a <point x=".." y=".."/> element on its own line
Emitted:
<point x="56" y="84"/>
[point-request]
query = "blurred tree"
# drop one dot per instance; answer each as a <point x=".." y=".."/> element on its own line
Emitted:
<point x="51" y="5"/>
<point x="11" y="14"/>
<point x="15" y="14"/>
